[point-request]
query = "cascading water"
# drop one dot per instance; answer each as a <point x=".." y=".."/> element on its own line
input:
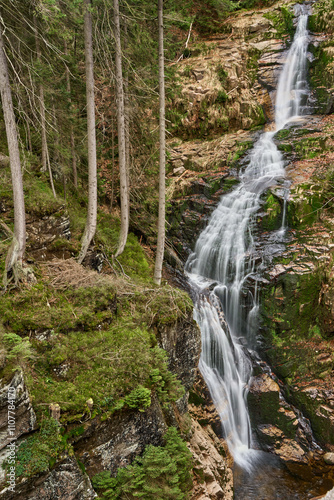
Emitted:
<point x="223" y="262"/>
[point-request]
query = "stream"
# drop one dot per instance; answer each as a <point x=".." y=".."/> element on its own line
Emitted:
<point x="223" y="272"/>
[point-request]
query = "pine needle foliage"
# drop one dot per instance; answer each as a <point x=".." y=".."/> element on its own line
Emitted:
<point x="162" y="473"/>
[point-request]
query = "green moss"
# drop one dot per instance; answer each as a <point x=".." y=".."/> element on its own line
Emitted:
<point x="287" y="148"/>
<point x="161" y="473"/>
<point x="318" y="414"/>
<point x="232" y="159"/>
<point x="221" y="97"/>
<point x="273" y="208"/>
<point x="42" y="308"/>
<point x="310" y="147"/>
<point x="88" y="330"/>
<point x="166" y="311"/>
<point x="36" y="452"/>
<point x="38" y="196"/>
<point x="293" y="300"/>
<point x="282" y="20"/>
<point x="304" y="205"/>
<point x="283" y="134"/>
<point x="222" y="74"/>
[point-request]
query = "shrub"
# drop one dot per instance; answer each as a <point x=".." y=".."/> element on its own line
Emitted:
<point x="38" y="450"/>
<point x="139" y="398"/>
<point x="221" y="97"/>
<point x="162" y="473"/>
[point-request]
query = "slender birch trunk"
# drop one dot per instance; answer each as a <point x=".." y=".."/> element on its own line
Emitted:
<point x="124" y="192"/>
<point x="91" y="136"/>
<point x="162" y="167"/>
<point x="17" y="248"/>
<point x="72" y="141"/>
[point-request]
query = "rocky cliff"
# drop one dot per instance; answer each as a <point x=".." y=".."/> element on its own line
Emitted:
<point x="227" y="96"/>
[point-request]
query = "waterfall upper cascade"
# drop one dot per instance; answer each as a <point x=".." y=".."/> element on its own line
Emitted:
<point x="223" y="260"/>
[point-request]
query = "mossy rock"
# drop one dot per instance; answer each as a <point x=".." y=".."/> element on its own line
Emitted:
<point x="273" y="208"/>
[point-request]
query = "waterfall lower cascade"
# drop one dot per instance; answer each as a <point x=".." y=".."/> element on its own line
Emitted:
<point x="223" y="261"/>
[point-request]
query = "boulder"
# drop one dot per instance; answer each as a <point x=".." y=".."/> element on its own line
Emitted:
<point x="329" y="458"/>
<point x="182" y="342"/>
<point x="65" y="482"/>
<point x="212" y="474"/>
<point x="115" y="442"/>
<point x="23" y="414"/>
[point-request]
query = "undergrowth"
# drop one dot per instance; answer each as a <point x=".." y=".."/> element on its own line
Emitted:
<point x="161" y="473"/>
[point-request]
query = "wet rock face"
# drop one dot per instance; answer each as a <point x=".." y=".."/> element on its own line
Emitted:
<point x="25" y="418"/>
<point x="116" y="441"/>
<point x="65" y="482"/>
<point x="276" y="424"/>
<point x="182" y="342"/>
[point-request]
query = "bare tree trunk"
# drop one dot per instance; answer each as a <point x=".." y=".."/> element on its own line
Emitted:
<point x="124" y="193"/>
<point x="17" y="248"/>
<point x="57" y="148"/>
<point x="112" y="163"/>
<point x="162" y="163"/>
<point x="127" y="117"/>
<point x="41" y="105"/>
<point x="91" y="136"/>
<point x="45" y="151"/>
<point x="74" y="158"/>
<point x="50" y="173"/>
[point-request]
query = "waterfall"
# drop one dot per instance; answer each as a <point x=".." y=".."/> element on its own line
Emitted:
<point x="223" y="261"/>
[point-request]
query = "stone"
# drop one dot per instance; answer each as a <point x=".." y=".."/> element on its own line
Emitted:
<point x="182" y="342"/>
<point x="213" y="477"/>
<point x="25" y="418"/>
<point x="329" y="458"/>
<point x="179" y="170"/>
<point x="116" y="441"/>
<point x="177" y="164"/>
<point x="65" y="482"/>
<point x="4" y="160"/>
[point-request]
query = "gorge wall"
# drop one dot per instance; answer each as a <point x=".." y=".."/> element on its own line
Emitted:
<point x="227" y="91"/>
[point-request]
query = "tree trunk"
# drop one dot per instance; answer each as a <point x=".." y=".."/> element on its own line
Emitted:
<point x="68" y="90"/>
<point x="16" y="250"/>
<point x="91" y="136"/>
<point x="45" y="152"/>
<point x="162" y="167"/>
<point x="124" y="193"/>
<point x="41" y="105"/>
<point x="127" y="116"/>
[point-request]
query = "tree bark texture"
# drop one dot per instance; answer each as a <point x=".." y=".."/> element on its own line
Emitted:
<point x="127" y="117"/>
<point x="91" y="136"/>
<point x="68" y="90"/>
<point x="124" y="192"/>
<point x="162" y="153"/>
<point x="41" y="105"/>
<point x="17" y="248"/>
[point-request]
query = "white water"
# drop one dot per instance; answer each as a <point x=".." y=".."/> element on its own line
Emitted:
<point x="223" y="261"/>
